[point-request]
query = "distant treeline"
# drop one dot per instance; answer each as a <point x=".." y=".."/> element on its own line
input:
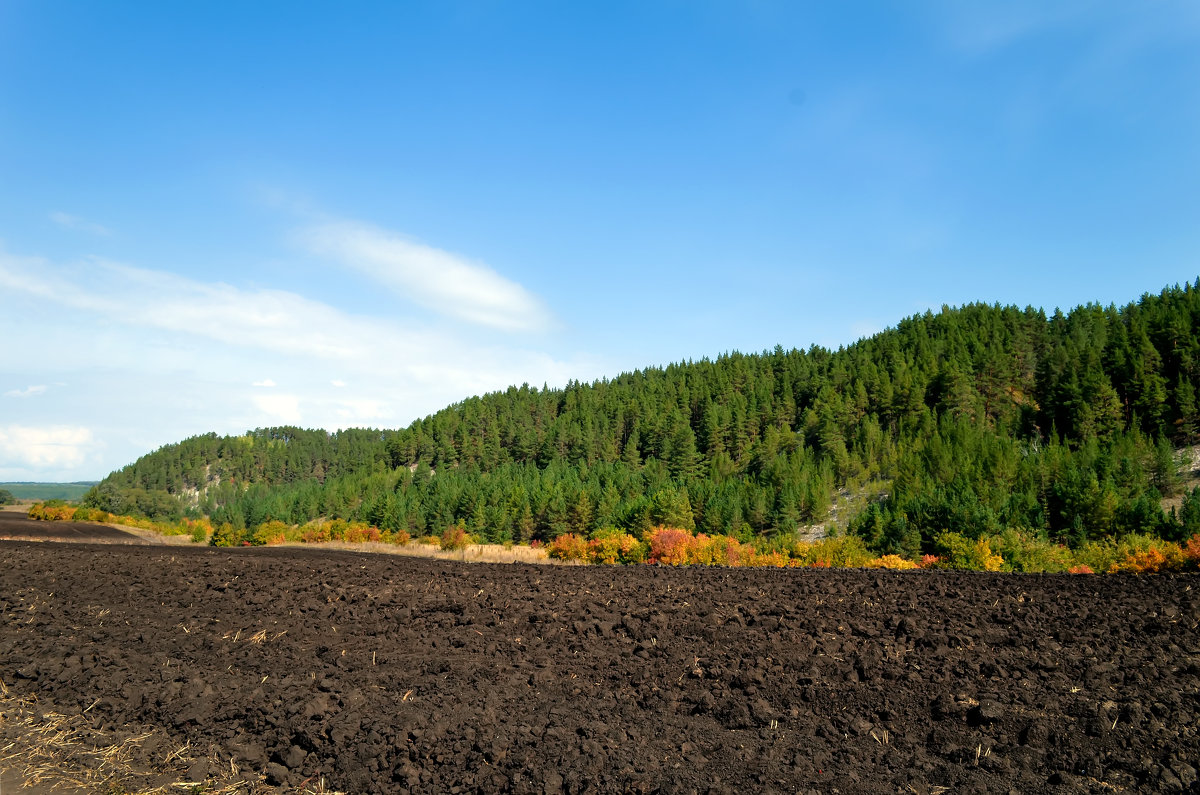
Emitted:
<point x="48" y="491"/>
<point x="973" y="420"/>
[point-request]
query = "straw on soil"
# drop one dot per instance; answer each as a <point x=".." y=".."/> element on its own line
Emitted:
<point x="66" y="753"/>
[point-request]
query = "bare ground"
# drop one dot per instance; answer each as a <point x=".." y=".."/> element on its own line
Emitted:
<point x="294" y="668"/>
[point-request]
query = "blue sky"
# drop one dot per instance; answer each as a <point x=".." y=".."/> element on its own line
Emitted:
<point x="221" y="216"/>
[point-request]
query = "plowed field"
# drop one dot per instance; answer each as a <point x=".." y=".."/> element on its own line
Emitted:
<point x="393" y="674"/>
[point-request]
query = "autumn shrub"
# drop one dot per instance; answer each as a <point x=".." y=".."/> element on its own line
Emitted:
<point x="454" y="537"/>
<point x="672" y="546"/>
<point x="929" y="562"/>
<point x="638" y="552"/>
<point x="720" y="551"/>
<point x="1081" y="568"/>
<point x="226" y="536"/>
<point x="315" y="533"/>
<point x="399" y="538"/>
<point x="142" y="523"/>
<point x="1132" y="554"/>
<point x="569" y="546"/>
<point x="611" y="545"/>
<point x="270" y="533"/>
<point x="774" y="558"/>
<point x="1027" y="552"/>
<point x="1191" y="552"/>
<point x="1148" y="557"/>
<point x="337" y="529"/>
<point x="359" y="532"/>
<point x="51" y="512"/>
<point x="82" y="514"/>
<point x="203" y="523"/>
<point x="1098" y="555"/>
<point x="891" y="562"/>
<point x="960" y="552"/>
<point x="843" y="552"/>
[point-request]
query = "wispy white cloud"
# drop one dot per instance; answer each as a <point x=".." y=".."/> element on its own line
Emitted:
<point x="273" y="320"/>
<point x="27" y="392"/>
<point x="138" y="341"/>
<point x="280" y="408"/>
<point x="58" y="446"/>
<point x="439" y="280"/>
<point x="68" y="221"/>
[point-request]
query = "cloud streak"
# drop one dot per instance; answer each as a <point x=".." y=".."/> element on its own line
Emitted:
<point x="439" y="280"/>
<point x="273" y="320"/>
<point x="74" y="222"/>
<point x="159" y="356"/>
<point x="25" y="393"/>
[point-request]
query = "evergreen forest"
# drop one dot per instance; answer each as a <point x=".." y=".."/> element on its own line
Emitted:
<point x="979" y="419"/>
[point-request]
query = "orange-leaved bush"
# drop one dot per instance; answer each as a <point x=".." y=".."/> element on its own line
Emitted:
<point x="1191" y="552"/>
<point x="1151" y="560"/>
<point x="568" y="546"/>
<point x="358" y="532"/>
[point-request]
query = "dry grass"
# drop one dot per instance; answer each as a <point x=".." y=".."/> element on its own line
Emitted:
<point x="475" y="553"/>
<point x="49" y="751"/>
<point x="153" y="536"/>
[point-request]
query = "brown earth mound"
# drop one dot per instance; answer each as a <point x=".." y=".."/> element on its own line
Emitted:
<point x="386" y="674"/>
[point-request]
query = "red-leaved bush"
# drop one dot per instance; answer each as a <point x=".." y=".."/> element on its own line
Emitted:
<point x="454" y="537"/>
<point x="670" y="545"/>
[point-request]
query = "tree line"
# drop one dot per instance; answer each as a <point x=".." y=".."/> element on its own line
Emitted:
<point x="974" y="419"/>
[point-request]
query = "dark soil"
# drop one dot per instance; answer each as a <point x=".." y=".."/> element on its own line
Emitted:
<point x="391" y="674"/>
<point x="16" y="526"/>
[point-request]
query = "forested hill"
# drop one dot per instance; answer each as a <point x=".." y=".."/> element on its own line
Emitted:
<point x="974" y="419"/>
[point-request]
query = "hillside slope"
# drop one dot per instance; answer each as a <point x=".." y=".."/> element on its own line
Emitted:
<point x="975" y="419"/>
